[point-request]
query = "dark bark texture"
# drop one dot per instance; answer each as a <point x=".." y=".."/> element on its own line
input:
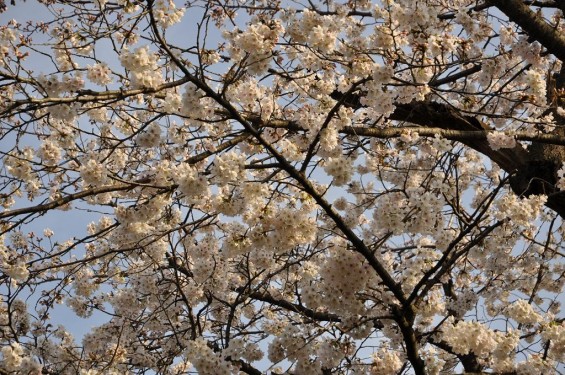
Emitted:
<point x="534" y="170"/>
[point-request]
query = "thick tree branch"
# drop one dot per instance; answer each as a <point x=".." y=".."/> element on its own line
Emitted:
<point x="532" y="23"/>
<point x="469" y="361"/>
<point x="357" y="243"/>
<point x="247" y="368"/>
<point x="423" y="131"/>
<point x="307" y="186"/>
<point x="532" y="178"/>
<point x="437" y="115"/>
<point x="444" y="117"/>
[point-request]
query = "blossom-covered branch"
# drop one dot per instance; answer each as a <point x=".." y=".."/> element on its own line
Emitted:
<point x="346" y="187"/>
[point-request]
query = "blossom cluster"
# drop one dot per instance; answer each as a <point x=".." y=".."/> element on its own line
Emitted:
<point x="193" y="185"/>
<point x="341" y="169"/>
<point x="99" y="74"/>
<point x="93" y="173"/>
<point x="256" y="43"/>
<point x="143" y="66"/>
<point x="55" y="86"/>
<point x="17" y="361"/>
<point x="167" y="14"/>
<point x="262" y="193"/>
<point x="498" y="140"/>
<point x="466" y="337"/>
<point x="228" y="168"/>
<point x="385" y="362"/>
<point x="7" y="37"/>
<point x="150" y="137"/>
<point x="522" y="312"/>
<point x="342" y="271"/>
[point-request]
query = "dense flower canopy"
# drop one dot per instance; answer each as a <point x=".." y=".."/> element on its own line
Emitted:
<point x="269" y="187"/>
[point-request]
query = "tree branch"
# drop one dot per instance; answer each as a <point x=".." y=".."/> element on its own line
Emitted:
<point x="532" y="23"/>
<point x="314" y="315"/>
<point x="64" y="200"/>
<point x="531" y="178"/>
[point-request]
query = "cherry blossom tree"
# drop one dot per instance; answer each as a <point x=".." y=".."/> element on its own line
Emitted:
<point x="301" y="187"/>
